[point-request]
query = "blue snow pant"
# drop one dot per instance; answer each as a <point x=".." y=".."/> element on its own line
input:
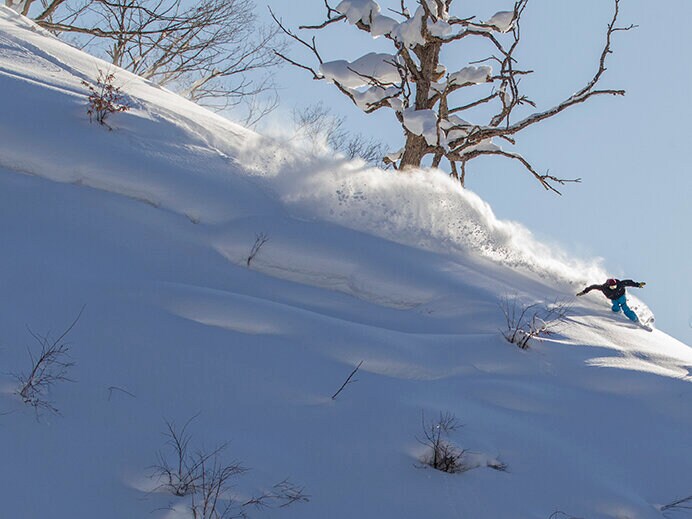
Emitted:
<point x="621" y="302"/>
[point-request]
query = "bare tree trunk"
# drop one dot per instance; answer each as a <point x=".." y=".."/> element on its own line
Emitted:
<point x="416" y="146"/>
<point x="414" y="151"/>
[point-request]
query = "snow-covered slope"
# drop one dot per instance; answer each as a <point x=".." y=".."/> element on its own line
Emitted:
<point x="150" y="226"/>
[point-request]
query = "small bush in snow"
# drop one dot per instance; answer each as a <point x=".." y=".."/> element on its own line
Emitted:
<point x="48" y="366"/>
<point x="526" y="322"/>
<point x="104" y="98"/>
<point x="442" y="454"/>
<point x="207" y="479"/>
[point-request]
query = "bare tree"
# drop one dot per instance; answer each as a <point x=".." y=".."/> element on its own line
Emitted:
<point x="48" y="367"/>
<point x="319" y="125"/>
<point x="212" y="51"/>
<point x="427" y="99"/>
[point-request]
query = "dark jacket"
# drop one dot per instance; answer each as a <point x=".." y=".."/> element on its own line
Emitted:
<point x="616" y="293"/>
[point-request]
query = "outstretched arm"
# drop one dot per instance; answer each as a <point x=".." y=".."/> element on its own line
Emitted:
<point x="589" y="289"/>
<point x="635" y="284"/>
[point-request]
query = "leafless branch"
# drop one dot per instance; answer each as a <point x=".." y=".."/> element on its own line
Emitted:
<point x="524" y="322"/>
<point x="207" y="480"/>
<point x="48" y="367"/>
<point x="281" y="495"/>
<point x="443" y="455"/>
<point x="311" y="46"/>
<point x="348" y="380"/>
<point x="317" y="124"/>
<point x="260" y="240"/>
<point x="116" y="388"/>
<point x="544" y="179"/>
<point x="204" y="50"/>
<point x="680" y="504"/>
<point x="324" y="24"/>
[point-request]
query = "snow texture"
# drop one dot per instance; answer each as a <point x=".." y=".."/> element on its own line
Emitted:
<point x="440" y="29"/>
<point x="503" y="21"/>
<point x="455" y="127"/>
<point x="373" y="95"/>
<point x="358" y="10"/>
<point x="422" y="122"/>
<point x="150" y="225"/>
<point x="367" y="12"/>
<point x="471" y="75"/>
<point x="410" y="32"/>
<point x="380" y="67"/>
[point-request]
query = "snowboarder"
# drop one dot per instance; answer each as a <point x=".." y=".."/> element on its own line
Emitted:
<point x="614" y="289"/>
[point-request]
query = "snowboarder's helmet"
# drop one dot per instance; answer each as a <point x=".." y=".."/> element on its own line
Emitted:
<point x="612" y="283"/>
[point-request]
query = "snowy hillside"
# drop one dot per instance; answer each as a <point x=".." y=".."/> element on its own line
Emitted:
<point x="149" y="227"/>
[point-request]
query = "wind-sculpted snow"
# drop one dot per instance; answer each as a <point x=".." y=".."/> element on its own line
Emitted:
<point x="424" y="208"/>
<point x="150" y="225"/>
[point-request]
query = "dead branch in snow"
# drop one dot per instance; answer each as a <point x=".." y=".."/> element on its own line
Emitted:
<point x="348" y="380"/>
<point x="260" y="240"/>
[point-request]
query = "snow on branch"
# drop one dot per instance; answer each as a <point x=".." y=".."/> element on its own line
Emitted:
<point x="363" y="71"/>
<point x="413" y="81"/>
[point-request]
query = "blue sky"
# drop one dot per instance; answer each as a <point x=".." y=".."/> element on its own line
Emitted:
<point x="633" y="206"/>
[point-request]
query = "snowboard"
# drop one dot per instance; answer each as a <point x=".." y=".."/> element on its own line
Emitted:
<point x="646" y="324"/>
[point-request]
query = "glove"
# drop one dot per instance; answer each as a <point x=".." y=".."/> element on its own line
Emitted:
<point x="641" y="285"/>
<point x="581" y="293"/>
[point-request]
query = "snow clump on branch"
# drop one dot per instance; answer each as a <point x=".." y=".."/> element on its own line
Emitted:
<point x="363" y="71"/>
<point x="471" y="76"/>
<point x="422" y="122"/>
<point x="502" y="21"/>
<point x="368" y="13"/>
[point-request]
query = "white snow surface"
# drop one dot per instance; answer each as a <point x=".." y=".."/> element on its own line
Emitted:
<point x="150" y="226"/>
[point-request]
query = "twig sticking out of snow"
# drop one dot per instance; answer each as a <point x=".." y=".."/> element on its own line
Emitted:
<point x="260" y="240"/>
<point x="348" y="380"/>
<point x="681" y="504"/>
